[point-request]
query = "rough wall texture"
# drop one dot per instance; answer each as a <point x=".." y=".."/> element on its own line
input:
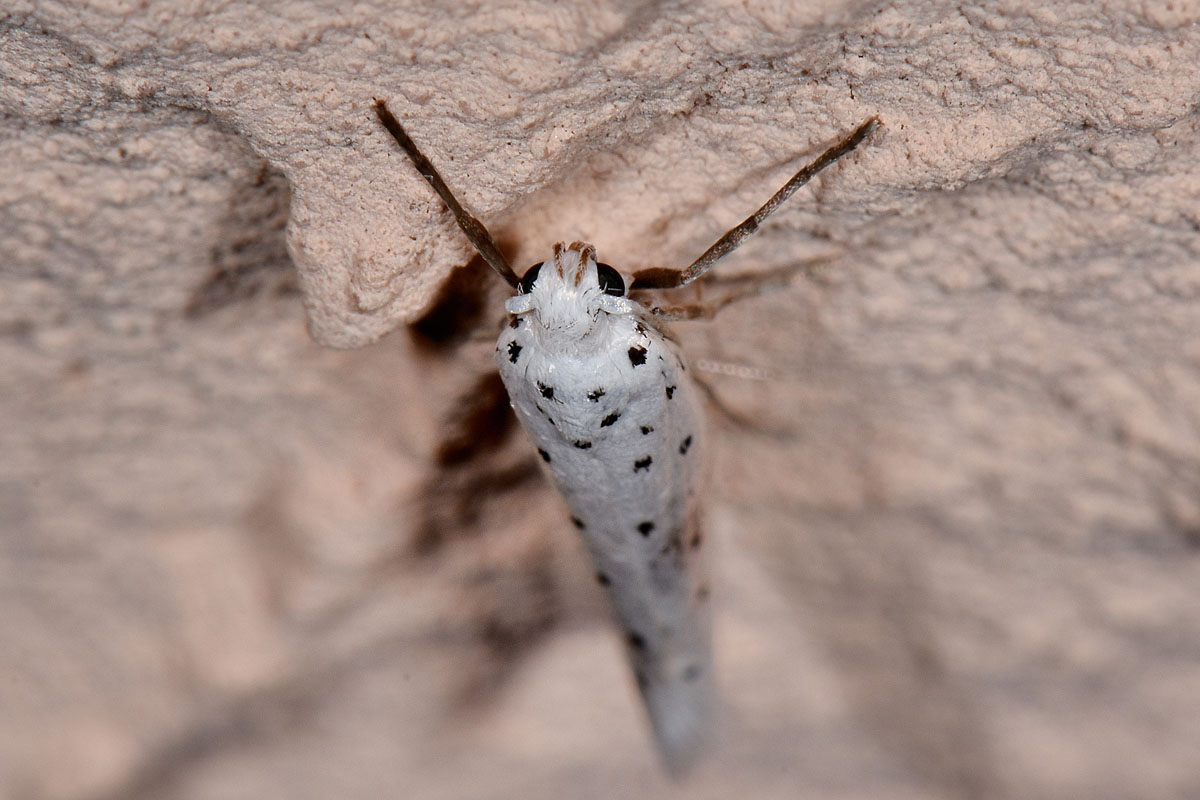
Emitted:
<point x="957" y="544"/>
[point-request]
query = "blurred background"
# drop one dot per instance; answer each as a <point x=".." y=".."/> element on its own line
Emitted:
<point x="955" y="491"/>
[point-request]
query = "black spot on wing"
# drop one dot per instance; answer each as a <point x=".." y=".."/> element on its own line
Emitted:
<point x="644" y="528"/>
<point x="596" y="395"/>
<point x="610" y="419"/>
<point x="514" y="351"/>
<point x="547" y="391"/>
<point x="667" y="567"/>
<point x="670" y="392"/>
<point x="515" y="322"/>
<point x="637" y="641"/>
<point x="545" y="456"/>
<point x="643" y="464"/>
<point x="603" y="579"/>
<point x="647" y="429"/>
<point x="583" y="445"/>
<point x="578" y="523"/>
<point x="637" y="356"/>
<point x="684" y="445"/>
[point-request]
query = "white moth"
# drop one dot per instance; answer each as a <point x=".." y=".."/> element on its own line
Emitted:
<point x="605" y="396"/>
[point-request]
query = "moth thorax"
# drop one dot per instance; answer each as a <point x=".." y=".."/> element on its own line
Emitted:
<point x="571" y="321"/>
<point x="566" y="299"/>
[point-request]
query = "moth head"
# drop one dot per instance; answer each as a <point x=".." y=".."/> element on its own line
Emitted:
<point x="569" y="289"/>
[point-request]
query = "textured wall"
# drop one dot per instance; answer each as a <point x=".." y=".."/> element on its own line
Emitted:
<point x="956" y="495"/>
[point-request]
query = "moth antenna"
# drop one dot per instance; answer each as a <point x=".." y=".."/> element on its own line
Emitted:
<point x="660" y="278"/>
<point x="473" y="228"/>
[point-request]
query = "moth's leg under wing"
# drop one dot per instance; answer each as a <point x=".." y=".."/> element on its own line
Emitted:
<point x="721" y="291"/>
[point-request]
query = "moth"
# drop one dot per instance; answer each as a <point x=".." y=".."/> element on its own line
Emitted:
<point x="616" y="420"/>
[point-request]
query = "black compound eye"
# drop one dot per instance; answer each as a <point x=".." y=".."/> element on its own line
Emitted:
<point x="610" y="280"/>
<point x="525" y="285"/>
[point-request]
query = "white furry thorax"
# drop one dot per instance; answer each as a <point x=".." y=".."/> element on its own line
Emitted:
<point x="568" y="308"/>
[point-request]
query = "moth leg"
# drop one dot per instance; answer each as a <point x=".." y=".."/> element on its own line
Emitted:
<point x="733" y="288"/>
<point x="685" y="312"/>
<point x="662" y="278"/>
<point x="475" y="231"/>
<point x="693" y="310"/>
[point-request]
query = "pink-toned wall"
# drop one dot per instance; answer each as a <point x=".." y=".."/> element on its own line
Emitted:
<point x="956" y="496"/>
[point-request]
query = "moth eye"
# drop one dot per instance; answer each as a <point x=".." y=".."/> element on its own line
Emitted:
<point x="610" y="280"/>
<point x="525" y="285"/>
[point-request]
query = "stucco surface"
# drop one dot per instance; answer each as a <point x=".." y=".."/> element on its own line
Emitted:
<point x="266" y="532"/>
